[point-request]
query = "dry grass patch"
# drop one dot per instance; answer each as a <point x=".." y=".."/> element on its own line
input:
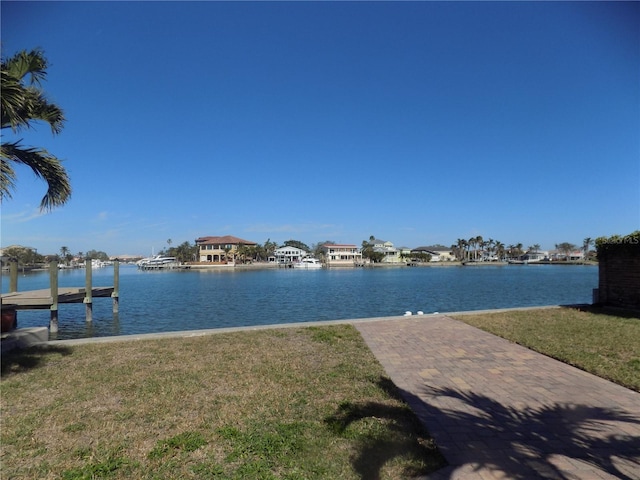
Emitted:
<point x="605" y="344"/>
<point x="290" y="403"/>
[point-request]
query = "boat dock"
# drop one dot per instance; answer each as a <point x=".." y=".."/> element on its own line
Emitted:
<point x="50" y="298"/>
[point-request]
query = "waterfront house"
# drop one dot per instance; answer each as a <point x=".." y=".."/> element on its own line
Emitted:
<point x="404" y="253"/>
<point x="535" y="256"/>
<point x="288" y="254"/>
<point x="560" y="256"/>
<point x="438" y="253"/>
<point x="220" y="249"/>
<point x="342" y="255"/>
<point x="391" y="254"/>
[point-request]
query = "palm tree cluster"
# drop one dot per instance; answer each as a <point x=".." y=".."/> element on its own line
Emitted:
<point x="24" y="103"/>
<point x="477" y="248"/>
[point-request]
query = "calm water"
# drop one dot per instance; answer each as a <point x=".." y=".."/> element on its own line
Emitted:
<point x="152" y="301"/>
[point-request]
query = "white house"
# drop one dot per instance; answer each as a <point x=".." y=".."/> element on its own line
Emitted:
<point x="289" y="254"/>
<point x="535" y="256"/>
<point x="558" y="255"/>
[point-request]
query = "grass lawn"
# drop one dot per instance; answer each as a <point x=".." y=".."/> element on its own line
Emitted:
<point x="295" y="403"/>
<point x="605" y="344"/>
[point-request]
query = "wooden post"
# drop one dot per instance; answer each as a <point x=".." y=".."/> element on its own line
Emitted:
<point x="88" y="300"/>
<point x="116" y="286"/>
<point x="13" y="276"/>
<point x="53" y="285"/>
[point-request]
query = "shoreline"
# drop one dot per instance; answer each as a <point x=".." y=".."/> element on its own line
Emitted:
<point x="267" y="265"/>
<point x="30" y="335"/>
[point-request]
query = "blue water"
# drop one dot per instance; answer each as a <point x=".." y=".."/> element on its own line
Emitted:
<point x="162" y="301"/>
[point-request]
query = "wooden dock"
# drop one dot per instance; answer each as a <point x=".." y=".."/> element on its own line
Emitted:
<point x="50" y="298"/>
<point x="42" y="299"/>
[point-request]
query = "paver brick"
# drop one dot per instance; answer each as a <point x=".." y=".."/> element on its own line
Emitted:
<point x="499" y="410"/>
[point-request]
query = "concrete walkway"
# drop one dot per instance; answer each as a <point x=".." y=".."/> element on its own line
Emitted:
<point x="499" y="410"/>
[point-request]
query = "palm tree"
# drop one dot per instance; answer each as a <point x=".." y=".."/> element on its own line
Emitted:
<point x="459" y="249"/>
<point x="490" y="244"/>
<point x="64" y="253"/>
<point x="586" y="243"/>
<point x="519" y="249"/>
<point x="471" y="245"/>
<point x="24" y="103"/>
<point x="479" y="244"/>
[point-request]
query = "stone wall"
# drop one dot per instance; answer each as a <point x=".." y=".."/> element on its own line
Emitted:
<point x="619" y="275"/>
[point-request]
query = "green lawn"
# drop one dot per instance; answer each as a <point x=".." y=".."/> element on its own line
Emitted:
<point x="308" y="403"/>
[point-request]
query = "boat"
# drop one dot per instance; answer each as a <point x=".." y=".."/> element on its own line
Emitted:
<point x="158" y="261"/>
<point x="308" y="263"/>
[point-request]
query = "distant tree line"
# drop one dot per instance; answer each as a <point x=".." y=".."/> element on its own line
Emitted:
<point x="27" y="256"/>
<point x="477" y="248"/>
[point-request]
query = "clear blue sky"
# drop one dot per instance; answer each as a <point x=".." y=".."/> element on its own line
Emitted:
<point x="416" y="122"/>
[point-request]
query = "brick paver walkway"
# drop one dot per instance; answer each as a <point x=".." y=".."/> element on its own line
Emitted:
<point x="499" y="410"/>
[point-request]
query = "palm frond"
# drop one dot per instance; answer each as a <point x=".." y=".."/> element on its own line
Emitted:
<point x="23" y="104"/>
<point x="7" y="178"/>
<point x="33" y="64"/>
<point x="12" y="101"/>
<point x="44" y="166"/>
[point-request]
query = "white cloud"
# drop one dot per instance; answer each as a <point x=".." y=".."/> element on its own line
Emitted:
<point x="23" y="216"/>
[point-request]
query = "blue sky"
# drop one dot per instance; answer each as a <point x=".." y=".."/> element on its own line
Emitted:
<point x="416" y="122"/>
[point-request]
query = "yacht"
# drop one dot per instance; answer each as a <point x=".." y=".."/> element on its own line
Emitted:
<point x="158" y="261"/>
<point x="308" y="262"/>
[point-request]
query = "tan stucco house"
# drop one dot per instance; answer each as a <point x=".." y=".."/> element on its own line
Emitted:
<point x="342" y="255"/>
<point x="220" y="249"/>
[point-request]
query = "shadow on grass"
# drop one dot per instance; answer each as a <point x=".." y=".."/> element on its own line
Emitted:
<point x="393" y="431"/>
<point x="22" y="360"/>
<point x="530" y="441"/>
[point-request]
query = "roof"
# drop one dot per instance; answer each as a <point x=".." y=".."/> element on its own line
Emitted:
<point x="287" y="247"/>
<point x="226" y="239"/>
<point x="433" y="248"/>
<point x="329" y="245"/>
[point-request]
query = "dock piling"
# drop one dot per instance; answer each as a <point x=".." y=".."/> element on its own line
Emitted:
<point x="53" y="285"/>
<point x="116" y="287"/>
<point x="88" y="299"/>
<point x="13" y="276"/>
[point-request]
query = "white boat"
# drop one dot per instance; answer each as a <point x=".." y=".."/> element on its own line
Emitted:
<point x="308" y="262"/>
<point x="158" y="261"/>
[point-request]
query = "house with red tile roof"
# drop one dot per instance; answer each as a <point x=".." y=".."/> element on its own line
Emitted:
<point x="220" y="249"/>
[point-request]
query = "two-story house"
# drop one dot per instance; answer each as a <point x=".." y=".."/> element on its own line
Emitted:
<point x="220" y="249"/>
<point x="391" y="254"/>
<point x="288" y="254"/>
<point x="341" y="255"/>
